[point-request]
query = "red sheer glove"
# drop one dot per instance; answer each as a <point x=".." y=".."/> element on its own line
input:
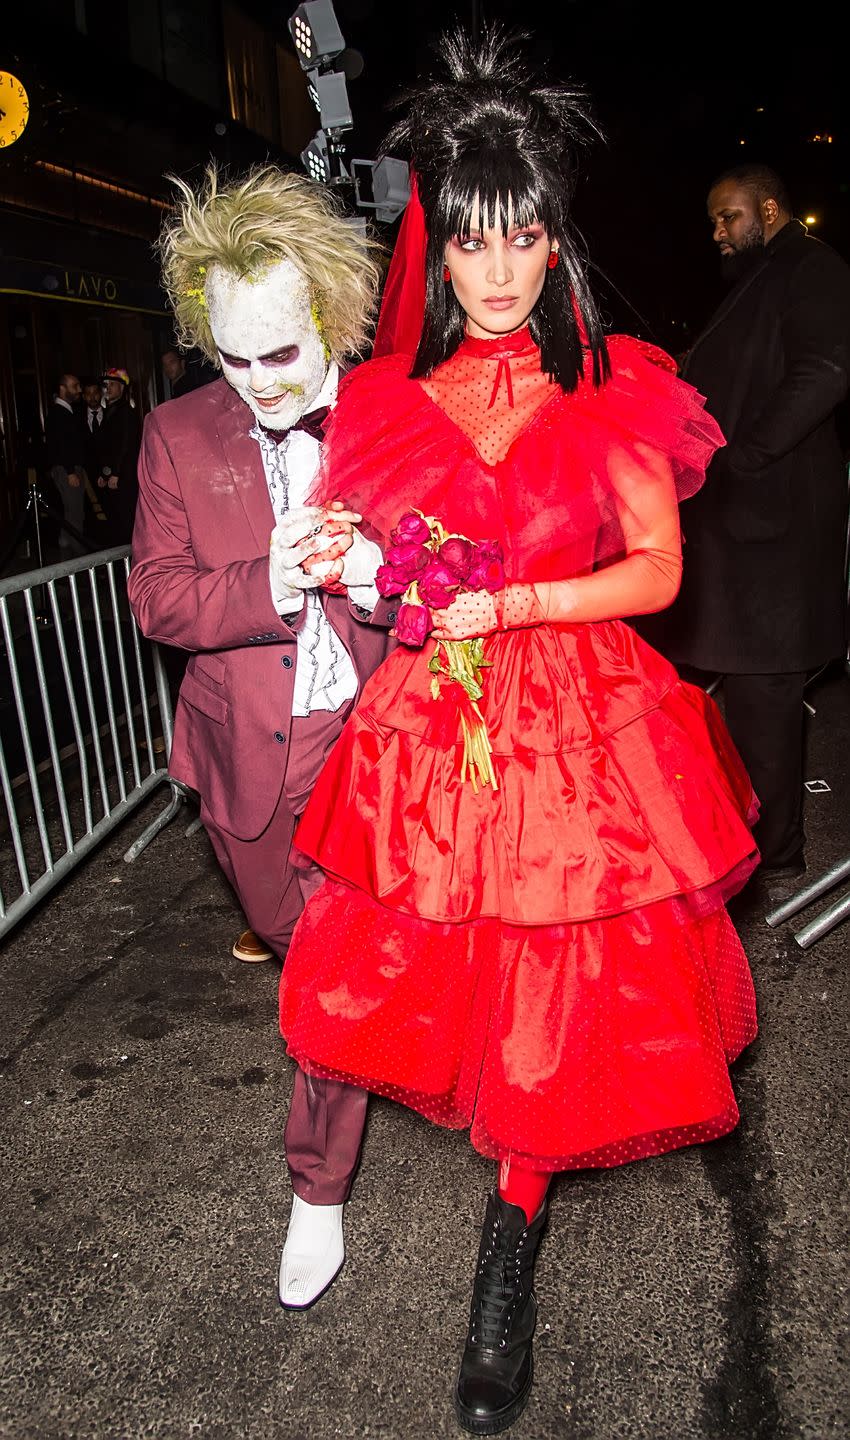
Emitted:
<point x="470" y="616"/>
<point x="475" y="614"/>
<point x="646" y="580"/>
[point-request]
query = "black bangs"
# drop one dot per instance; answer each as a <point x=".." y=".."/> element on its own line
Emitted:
<point x="493" y="191"/>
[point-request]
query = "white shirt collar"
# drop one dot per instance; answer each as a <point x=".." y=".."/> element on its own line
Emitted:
<point x="57" y="400"/>
<point x="327" y="394"/>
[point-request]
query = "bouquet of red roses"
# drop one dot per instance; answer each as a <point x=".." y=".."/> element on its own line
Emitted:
<point x="428" y="567"/>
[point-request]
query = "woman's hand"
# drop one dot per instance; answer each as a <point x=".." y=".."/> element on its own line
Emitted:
<point x="469" y="617"/>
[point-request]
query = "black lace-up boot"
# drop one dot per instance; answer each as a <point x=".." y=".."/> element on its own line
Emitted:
<point x="497" y="1367"/>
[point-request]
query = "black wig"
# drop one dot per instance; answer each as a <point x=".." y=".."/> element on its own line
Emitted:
<point x="485" y="128"/>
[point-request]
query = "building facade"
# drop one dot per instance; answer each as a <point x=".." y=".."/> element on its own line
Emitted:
<point x="99" y="103"/>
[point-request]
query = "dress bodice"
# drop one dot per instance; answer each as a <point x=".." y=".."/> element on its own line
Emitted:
<point x="492" y="390"/>
<point x="496" y="450"/>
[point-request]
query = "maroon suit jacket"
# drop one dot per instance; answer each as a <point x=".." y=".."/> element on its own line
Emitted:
<point x="200" y="580"/>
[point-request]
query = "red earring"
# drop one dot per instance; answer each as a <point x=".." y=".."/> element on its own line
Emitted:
<point x="553" y="260"/>
<point x="447" y="274"/>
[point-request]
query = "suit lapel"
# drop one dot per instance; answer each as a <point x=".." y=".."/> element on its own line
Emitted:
<point x="725" y="309"/>
<point x="242" y="453"/>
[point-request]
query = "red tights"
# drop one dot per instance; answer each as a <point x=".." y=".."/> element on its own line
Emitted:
<point x="524" y="1187"/>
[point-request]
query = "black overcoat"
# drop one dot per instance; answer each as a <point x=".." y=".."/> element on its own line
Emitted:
<point x="117" y="447"/>
<point x="764" y="580"/>
<point x="64" y="439"/>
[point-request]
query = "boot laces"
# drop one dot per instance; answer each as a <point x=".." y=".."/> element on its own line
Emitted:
<point x="498" y="1289"/>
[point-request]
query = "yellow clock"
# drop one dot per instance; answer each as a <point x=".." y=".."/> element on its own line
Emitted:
<point x="14" y="109"/>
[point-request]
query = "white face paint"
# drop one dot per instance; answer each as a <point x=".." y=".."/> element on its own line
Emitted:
<point x="271" y="352"/>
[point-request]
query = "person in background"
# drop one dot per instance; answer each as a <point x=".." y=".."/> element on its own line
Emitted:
<point x="66" y="461"/>
<point x="176" y="372"/>
<point x="93" y="405"/>
<point x="763" y="599"/>
<point x="92" y="420"/>
<point x="118" y="457"/>
<point x="185" y="373"/>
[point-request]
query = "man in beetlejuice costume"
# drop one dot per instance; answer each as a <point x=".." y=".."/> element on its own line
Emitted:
<point x="274" y="598"/>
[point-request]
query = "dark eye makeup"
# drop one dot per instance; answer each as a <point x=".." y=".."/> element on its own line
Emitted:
<point x="284" y="356"/>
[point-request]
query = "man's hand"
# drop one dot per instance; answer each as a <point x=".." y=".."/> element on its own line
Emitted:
<point x="354" y="561"/>
<point x="343" y="556"/>
<point x="335" y="537"/>
<point x="360" y="562"/>
<point x="302" y="551"/>
<point x="292" y="542"/>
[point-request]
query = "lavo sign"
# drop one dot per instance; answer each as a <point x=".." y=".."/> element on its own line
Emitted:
<point x="90" y="287"/>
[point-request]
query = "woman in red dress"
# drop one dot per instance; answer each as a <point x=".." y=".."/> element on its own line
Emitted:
<point x="548" y="961"/>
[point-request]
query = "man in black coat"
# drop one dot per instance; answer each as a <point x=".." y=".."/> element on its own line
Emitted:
<point x="118" y="448"/>
<point x="185" y="374"/>
<point x="763" y="597"/>
<point x="177" y="373"/>
<point x="65" y="444"/>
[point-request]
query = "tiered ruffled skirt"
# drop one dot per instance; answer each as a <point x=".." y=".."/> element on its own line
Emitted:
<point x="550" y="963"/>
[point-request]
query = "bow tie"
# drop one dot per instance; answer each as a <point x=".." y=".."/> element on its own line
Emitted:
<point x="313" y="423"/>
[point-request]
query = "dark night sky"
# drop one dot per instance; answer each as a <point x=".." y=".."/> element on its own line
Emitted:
<point x="675" y="89"/>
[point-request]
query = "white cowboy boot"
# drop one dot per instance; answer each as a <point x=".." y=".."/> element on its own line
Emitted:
<point x="312" y="1255"/>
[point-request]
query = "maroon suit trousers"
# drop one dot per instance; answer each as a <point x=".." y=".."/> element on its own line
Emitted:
<point x="324" y="1130"/>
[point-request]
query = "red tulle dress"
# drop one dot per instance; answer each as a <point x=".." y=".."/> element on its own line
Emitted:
<point x="551" y="962"/>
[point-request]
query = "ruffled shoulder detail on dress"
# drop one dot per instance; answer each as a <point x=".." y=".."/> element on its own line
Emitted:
<point x="646" y="399"/>
<point x="551" y="502"/>
<point x="653" y="353"/>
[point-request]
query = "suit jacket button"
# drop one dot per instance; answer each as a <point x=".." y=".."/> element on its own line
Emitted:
<point x="393" y="616"/>
<point x="286" y="662"/>
<point x="280" y="737"/>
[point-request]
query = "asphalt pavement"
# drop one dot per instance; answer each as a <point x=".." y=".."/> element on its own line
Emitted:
<point x="692" y="1297"/>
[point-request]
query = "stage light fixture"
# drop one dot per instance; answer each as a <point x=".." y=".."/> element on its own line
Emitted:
<point x="329" y="94"/>
<point x="389" y="181"/>
<point x="324" y="160"/>
<point x="315" y="33"/>
<point x="322" y="54"/>
<point x="316" y="160"/>
<point x="390" y="187"/>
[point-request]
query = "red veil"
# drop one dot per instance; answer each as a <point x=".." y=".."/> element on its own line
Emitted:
<point x="403" y="303"/>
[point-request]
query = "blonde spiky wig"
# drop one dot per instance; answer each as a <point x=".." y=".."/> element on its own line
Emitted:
<point x="248" y="224"/>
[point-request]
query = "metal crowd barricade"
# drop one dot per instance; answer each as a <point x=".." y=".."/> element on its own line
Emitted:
<point x="839" y="909"/>
<point x="827" y="920"/>
<point x="85" y="723"/>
